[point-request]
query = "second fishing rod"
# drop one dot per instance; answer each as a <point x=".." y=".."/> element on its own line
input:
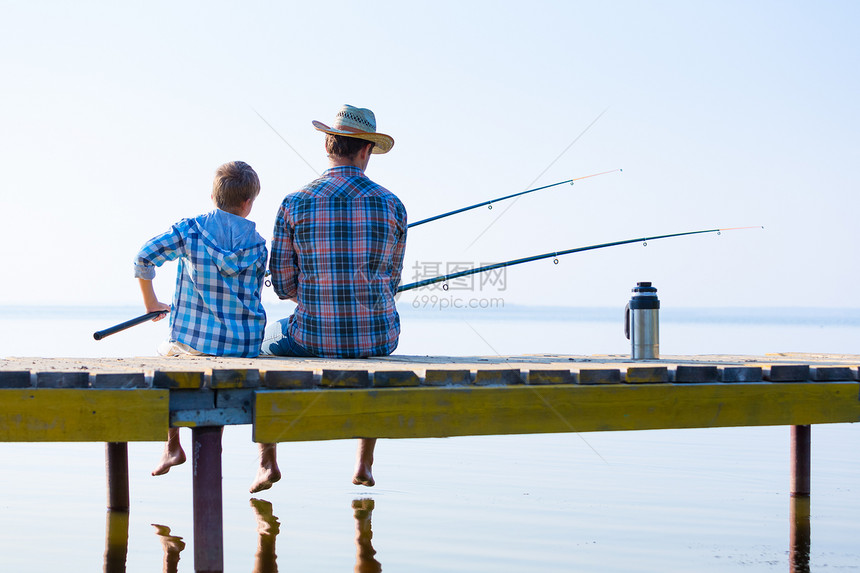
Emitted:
<point x="489" y="203"/>
<point x="556" y="254"/>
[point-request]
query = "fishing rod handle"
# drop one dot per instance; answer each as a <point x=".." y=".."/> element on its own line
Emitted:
<point x="128" y="324"/>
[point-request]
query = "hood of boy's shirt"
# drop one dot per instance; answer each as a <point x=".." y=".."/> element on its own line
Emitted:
<point x="231" y="241"/>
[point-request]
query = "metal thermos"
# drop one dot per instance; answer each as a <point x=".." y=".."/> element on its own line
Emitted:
<point x="642" y="322"/>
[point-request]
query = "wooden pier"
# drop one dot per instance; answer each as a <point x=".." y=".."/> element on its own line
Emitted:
<point x="300" y="399"/>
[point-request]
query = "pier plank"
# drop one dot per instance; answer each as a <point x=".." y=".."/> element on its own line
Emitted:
<point x="459" y="411"/>
<point x="284" y="379"/>
<point x="600" y="376"/>
<point x="498" y="377"/>
<point x="395" y="378"/>
<point x="62" y="379"/>
<point x="119" y="380"/>
<point x="742" y="374"/>
<point x="15" y="379"/>
<point x="83" y="415"/>
<point x="647" y="375"/>
<point x="234" y="378"/>
<point x="833" y="373"/>
<point x="345" y="379"/>
<point x="696" y="374"/>
<point x="185" y="380"/>
<point x="435" y="377"/>
<point x="788" y="373"/>
<point x="553" y="377"/>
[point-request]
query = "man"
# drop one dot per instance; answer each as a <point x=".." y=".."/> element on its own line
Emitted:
<point x="337" y="251"/>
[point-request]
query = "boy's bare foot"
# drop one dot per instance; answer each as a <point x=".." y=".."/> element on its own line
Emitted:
<point x="168" y="460"/>
<point x="173" y="454"/>
<point x="266" y="477"/>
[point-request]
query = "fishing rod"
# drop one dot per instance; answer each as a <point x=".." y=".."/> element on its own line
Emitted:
<point x="643" y="240"/>
<point x="491" y="201"/>
<point x="128" y="324"/>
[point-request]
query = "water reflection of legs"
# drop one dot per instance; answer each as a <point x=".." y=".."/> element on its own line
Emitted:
<point x="799" y="534"/>
<point x="365" y="560"/>
<point x="116" y="541"/>
<point x="172" y="545"/>
<point x="268" y="527"/>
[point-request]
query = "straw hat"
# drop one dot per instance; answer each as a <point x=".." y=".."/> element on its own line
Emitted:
<point x="359" y="123"/>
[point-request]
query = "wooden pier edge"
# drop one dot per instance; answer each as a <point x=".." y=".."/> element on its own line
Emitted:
<point x="460" y="411"/>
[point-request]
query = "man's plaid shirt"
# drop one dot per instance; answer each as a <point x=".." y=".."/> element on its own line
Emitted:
<point x="217" y="308"/>
<point x="338" y="250"/>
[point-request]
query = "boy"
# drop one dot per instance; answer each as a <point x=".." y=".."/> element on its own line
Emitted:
<point x="217" y="309"/>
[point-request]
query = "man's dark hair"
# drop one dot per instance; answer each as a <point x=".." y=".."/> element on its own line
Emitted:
<point x="343" y="146"/>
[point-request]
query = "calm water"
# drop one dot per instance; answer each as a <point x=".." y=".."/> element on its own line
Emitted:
<point x="674" y="500"/>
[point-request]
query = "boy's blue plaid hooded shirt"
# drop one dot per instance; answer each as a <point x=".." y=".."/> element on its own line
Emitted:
<point x="222" y="261"/>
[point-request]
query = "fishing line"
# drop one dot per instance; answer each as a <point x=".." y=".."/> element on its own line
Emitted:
<point x="541" y="397"/>
<point x="557" y="254"/>
<point x="287" y="142"/>
<point x="551" y="163"/>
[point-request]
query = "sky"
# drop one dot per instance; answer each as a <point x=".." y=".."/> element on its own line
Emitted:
<point x="721" y="114"/>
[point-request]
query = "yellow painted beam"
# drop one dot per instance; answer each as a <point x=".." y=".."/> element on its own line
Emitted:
<point x="85" y="415"/>
<point x="460" y="411"/>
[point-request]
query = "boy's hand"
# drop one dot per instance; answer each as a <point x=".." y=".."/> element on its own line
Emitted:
<point x="150" y="301"/>
<point x="157" y="307"/>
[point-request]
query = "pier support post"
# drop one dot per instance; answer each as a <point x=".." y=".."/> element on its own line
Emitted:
<point x="799" y="509"/>
<point x="116" y="468"/>
<point x="207" y="500"/>
<point x="801" y="460"/>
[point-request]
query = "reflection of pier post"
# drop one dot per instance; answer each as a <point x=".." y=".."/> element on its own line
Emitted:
<point x="799" y="510"/>
<point x="208" y="517"/>
<point x="116" y="541"/>
<point x="799" y="534"/>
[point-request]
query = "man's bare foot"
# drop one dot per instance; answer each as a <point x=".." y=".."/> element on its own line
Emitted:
<point x="268" y="473"/>
<point x="363" y="476"/>
<point x="364" y="462"/>
<point x="266" y="478"/>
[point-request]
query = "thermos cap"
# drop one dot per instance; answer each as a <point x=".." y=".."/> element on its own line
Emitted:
<point x="645" y="297"/>
<point x="644" y="287"/>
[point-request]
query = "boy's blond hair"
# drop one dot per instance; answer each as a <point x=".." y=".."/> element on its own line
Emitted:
<point x="235" y="183"/>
